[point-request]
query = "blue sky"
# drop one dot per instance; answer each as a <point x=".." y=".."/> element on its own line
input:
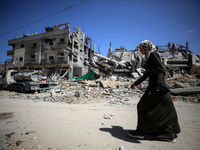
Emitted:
<point x="122" y="22"/>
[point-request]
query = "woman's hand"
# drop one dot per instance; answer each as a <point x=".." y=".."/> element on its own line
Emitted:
<point x="133" y="85"/>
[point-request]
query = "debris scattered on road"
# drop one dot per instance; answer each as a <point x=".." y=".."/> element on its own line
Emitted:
<point x="108" y="116"/>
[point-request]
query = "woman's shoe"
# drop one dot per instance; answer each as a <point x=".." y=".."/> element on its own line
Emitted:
<point x="136" y="135"/>
<point x="168" y="140"/>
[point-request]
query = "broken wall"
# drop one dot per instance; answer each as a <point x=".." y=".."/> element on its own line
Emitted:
<point x="195" y="69"/>
<point x="19" y="56"/>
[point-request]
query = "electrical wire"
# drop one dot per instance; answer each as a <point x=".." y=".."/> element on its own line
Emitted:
<point x="44" y="17"/>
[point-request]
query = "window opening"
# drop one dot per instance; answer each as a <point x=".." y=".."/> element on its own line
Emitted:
<point x="34" y="44"/>
<point x="62" y="40"/>
<point x="50" y="43"/>
<point x="20" y="58"/>
<point x="22" y="45"/>
<point x="61" y="54"/>
<point x="33" y="56"/>
<point x="75" y="45"/>
<point x="50" y="57"/>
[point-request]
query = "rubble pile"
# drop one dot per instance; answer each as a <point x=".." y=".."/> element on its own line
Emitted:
<point x="114" y="90"/>
<point x="124" y="63"/>
<point x="79" y="92"/>
<point x="182" y="81"/>
<point x="184" y="87"/>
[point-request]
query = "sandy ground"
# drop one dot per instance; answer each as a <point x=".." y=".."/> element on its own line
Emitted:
<point x="30" y="124"/>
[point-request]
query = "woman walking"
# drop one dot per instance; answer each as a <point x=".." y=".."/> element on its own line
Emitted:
<point x="156" y="112"/>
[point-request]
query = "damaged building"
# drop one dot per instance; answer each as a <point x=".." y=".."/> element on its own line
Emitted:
<point x="58" y="50"/>
<point x="70" y="54"/>
<point x="125" y="62"/>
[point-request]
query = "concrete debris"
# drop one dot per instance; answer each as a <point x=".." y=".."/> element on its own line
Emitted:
<point x="3" y="146"/>
<point x="20" y="141"/>
<point x="114" y="90"/>
<point x="186" y="91"/>
<point x="135" y="75"/>
<point x="8" y="136"/>
<point x="15" y="138"/>
<point x="123" y="148"/>
<point x="77" y="94"/>
<point x="108" y="116"/>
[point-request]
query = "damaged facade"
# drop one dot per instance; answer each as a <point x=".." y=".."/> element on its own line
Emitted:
<point x="56" y="51"/>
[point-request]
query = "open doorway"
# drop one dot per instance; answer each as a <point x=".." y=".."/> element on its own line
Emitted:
<point x="77" y="72"/>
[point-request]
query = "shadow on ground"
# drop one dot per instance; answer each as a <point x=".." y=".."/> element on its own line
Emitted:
<point x="120" y="133"/>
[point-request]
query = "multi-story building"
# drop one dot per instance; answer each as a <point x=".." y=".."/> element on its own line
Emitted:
<point x="57" y="48"/>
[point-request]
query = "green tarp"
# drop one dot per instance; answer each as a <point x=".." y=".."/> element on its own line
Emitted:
<point x="88" y="76"/>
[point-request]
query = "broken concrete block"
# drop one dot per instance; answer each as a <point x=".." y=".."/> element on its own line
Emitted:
<point x="77" y="94"/>
<point x="108" y="116"/>
<point x="186" y="91"/>
<point x="140" y="71"/>
<point x="135" y="75"/>
<point x="123" y="148"/>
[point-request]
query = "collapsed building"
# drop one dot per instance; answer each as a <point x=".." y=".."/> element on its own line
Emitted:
<point x="128" y="62"/>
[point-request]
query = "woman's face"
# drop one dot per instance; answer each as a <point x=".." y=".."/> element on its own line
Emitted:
<point x="142" y="50"/>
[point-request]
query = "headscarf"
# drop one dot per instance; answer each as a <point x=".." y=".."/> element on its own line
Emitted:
<point x="148" y="47"/>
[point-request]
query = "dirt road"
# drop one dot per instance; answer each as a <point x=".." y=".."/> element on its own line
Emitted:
<point x="27" y="124"/>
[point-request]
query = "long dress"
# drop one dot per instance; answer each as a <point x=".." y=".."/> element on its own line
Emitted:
<point x="156" y="115"/>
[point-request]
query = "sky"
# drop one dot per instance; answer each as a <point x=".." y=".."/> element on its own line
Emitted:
<point x="121" y="22"/>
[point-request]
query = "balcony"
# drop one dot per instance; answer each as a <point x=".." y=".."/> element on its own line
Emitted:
<point x="10" y="52"/>
<point x="31" y="63"/>
<point x="47" y="62"/>
<point x="52" y="62"/>
<point x="33" y="59"/>
<point x="61" y="55"/>
<point x="60" y="61"/>
<point x="49" y="48"/>
<point x="61" y="42"/>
